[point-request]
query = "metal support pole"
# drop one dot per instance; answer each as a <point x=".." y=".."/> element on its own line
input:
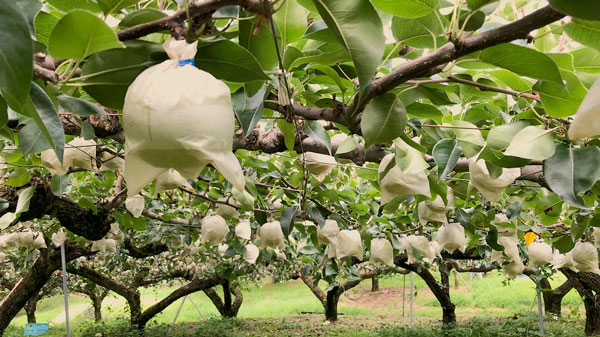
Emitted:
<point x="410" y="303"/>
<point x="403" y="292"/>
<point x="65" y="290"/>
<point x="540" y="312"/>
<point x="178" y="310"/>
<point x="197" y="309"/>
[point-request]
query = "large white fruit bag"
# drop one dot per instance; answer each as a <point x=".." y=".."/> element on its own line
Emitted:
<point x="540" y="253"/>
<point x="585" y="257"/>
<point x="178" y="117"/>
<point x="490" y="188"/>
<point x="328" y="233"/>
<point x="382" y="252"/>
<point x="586" y="122"/>
<point x="348" y="243"/>
<point x="395" y="183"/>
<point x="452" y="237"/>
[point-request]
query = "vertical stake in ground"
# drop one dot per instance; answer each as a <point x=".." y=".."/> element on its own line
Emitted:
<point x="65" y="290"/>
<point x="410" y="303"/>
<point x="540" y="312"/>
<point x="178" y="311"/>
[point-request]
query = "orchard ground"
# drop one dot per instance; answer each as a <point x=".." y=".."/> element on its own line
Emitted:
<point x="290" y="309"/>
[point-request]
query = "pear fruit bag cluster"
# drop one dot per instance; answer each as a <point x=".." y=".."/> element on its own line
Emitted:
<point x="178" y="117"/>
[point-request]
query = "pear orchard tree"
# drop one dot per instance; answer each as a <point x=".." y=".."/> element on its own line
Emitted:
<point x="223" y="141"/>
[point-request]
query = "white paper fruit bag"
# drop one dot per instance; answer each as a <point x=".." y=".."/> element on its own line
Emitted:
<point x="170" y="180"/>
<point x="452" y="237"/>
<point x="79" y="153"/>
<point x="491" y="189"/>
<point x="382" y="252"/>
<point x="540" y="253"/>
<point x="251" y="253"/>
<point x="271" y="235"/>
<point x="214" y="229"/>
<point x="586" y="122"/>
<point x="320" y="165"/>
<point x="328" y="233"/>
<point x="178" y="117"/>
<point x="395" y="183"/>
<point x="585" y="257"/>
<point x="348" y="243"/>
<point x="243" y="231"/>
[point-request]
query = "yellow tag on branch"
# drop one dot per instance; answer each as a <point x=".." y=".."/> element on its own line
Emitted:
<point x="529" y="238"/>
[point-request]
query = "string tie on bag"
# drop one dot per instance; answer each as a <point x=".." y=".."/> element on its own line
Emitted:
<point x="184" y="62"/>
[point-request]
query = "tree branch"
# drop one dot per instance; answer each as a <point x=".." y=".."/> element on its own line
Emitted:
<point x="519" y="29"/>
<point x="198" y="12"/>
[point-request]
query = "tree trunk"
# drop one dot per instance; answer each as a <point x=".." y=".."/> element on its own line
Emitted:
<point x="331" y="304"/>
<point x="225" y="306"/>
<point x="30" y="311"/>
<point x="553" y="298"/>
<point x="33" y="281"/>
<point x="448" y="308"/>
<point x="588" y="286"/>
<point x="374" y="284"/>
<point x="441" y="291"/>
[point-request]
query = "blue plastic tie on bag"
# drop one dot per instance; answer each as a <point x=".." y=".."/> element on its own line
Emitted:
<point x="184" y="62"/>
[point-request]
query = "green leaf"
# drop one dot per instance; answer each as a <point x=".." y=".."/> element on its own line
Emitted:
<point x="407" y="8"/>
<point x="383" y="119"/>
<point x="142" y="16"/>
<point x="87" y="131"/>
<point x="69" y="5"/>
<point x="424" y="111"/>
<point x="16" y="56"/>
<point x="412" y="143"/>
<point x="108" y="74"/>
<point x="139" y="224"/>
<point x="331" y="73"/>
<point x="316" y="131"/>
<point x="87" y="202"/>
<point x="492" y="240"/>
<point x="585" y="32"/>
<point x="325" y="58"/>
<point x="446" y="154"/>
<point x="514" y="210"/>
<point x="78" y="106"/>
<point x="291" y="20"/>
<point x="42" y="110"/>
<point x="564" y="244"/>
<point x="287" y="220"/>
<point x="500" y="136"/>
<point x="477" y="4"/>
<point x="571" y="171"/>
<point x="511" y="79"/>
<point x="59" y="184"/>
<point x="423" y="32"/>
<point x="259" y="41"/>
<point x="32" y="140"/>
<point x="346" y="146"/>
<point x="249" y="110"/>
<point x="111" y="6"/>
<point x="24" y="199"/>
<point x="3" y="112"/>
<point x="319" y="31"/>
<point x="532" y="143"/>
<point x="7" y="219"/>
<point x="585" y="9"/>
<point x="29" y="9"/>
<point x="358" y="29"/>
<point x="289" y="133"/>
<point x="471" y="141"/>
<point x="586" y="60"/>
<point x="229" y="61"/>
<point x="408" y="159"/>
<point x="19" y="177"/>
<point x="560" y="100"/>
<point x="44" y="24"/>
<point x="519" y="60"/>
<point x="290" y="55"/>
<point x="80" y="34"/>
